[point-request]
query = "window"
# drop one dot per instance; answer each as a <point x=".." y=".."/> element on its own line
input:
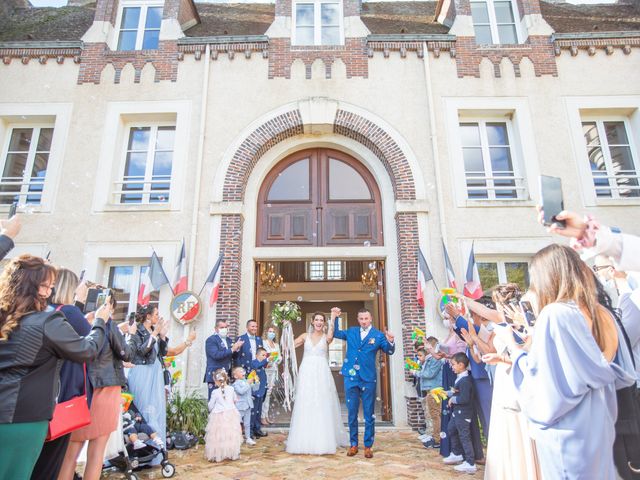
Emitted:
<point x="488" y="161"/>
<point x="147" y="166"/>
<point x="494" y="22"/>
<point x="25" y="165"/>
<point x="125" y="281"/>
<point x="493" y="273"/>
<point x="325" y="270"/>
<point x="318" y="22"/>
<point x="614" y="169"/>
<point x="139" y="27"/>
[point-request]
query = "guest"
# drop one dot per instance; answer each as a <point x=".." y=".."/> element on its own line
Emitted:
<point x="223" y="437"/>
<point x="429" y="377"/>
<point x="244" y="404"/>
<point x="566" y="380"/>
<point x="258" y="365"/>
<point x="219" y="350"/>
<point x="463" y="414"/>
<point x="106" y="375"/>
<point x="30" y="377"/>
<point x="72" y="377"/>
<point x="9" y="230"/>
<point x="270" y="344"/>
<point x="250" y="344"/>
<point x="453" y="344"/>
<point x="133" y="425"/>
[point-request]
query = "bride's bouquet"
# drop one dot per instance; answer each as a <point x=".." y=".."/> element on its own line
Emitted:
<point x="282" y="315"/>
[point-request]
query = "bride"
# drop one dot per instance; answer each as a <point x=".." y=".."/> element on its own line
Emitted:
<point x="316" y="423"/>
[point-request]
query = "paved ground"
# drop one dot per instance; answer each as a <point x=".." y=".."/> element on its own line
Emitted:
<point x="397" y="455"/>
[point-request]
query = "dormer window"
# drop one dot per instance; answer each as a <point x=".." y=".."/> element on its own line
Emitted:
<point x="139" y="26"/>
<point x="317" y="22"/>
<point x="494" y="22"/>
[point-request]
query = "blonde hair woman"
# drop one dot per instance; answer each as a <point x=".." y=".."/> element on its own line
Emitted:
<point x="568" y="377"/>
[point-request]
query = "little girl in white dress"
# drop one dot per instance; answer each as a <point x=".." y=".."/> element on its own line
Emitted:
<point x="223" y="436"/>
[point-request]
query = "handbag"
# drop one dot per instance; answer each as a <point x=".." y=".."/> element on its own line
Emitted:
<point x="70" y="415"/>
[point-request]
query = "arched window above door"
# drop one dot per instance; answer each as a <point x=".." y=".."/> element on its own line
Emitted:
<point x="319" y="197"/>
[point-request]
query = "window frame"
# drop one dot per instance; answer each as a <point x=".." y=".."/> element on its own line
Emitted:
<point x="325" y="271"/>
<point x="137" y="264"/>
<point x="486" y="160"/>
<point x="31" y="155"/>
<point x="493" y="22"/>
<point x="317" y="23"/>
<point x="144" y="6"/>
<point x="117" y="192"/>
<point x="599" y="120"/>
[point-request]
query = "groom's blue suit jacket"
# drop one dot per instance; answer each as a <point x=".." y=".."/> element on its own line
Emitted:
<point x="361" y="354"/>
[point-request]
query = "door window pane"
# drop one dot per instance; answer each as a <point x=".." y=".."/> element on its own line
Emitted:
<point x="345" y="183"/>
<point x="330" y="35"/>
<point x="518" y="272"/>
<point x="150" y="40"/>
<point x="154" y="17"/>
<point x="488" y="275"/>
<point x="130" y="18"/>
<point x="504" y="13"/>
<point x="479" y="12"/>
<point x="292" y="183"/>
<point x="507" y="34"/>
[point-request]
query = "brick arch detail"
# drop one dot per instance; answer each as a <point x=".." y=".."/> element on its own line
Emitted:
<point x="290" y="124"/>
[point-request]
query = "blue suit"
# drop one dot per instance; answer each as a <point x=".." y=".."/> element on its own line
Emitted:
<point x="219" y="355"/>
<point x="359" y="371"/>
<point x="243" y="357"/>
<point x="258" y="396"/>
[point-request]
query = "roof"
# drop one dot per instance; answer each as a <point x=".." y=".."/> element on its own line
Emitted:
<point x="241" y="19"/>
<point x="566" y="18"/>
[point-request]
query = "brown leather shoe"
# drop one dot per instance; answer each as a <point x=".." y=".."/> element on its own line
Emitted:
<point x="368" y="452"/>
<point x="352" y="451"/>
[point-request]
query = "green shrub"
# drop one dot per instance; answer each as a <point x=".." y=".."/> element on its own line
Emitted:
<point x="187" y="414"/>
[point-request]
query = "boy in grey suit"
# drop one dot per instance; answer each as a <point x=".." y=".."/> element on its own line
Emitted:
<point x="244" y="404"/>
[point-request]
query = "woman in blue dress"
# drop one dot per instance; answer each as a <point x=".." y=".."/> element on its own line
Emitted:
<point x="567" y="381"/>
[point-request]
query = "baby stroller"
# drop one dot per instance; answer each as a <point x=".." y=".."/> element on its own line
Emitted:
<point x="121" y="456"/>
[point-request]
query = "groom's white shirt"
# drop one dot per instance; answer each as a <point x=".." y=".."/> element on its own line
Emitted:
<point x="364" y="333"/>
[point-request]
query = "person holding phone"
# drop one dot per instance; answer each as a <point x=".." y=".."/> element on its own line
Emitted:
<point x="106" y="376"/>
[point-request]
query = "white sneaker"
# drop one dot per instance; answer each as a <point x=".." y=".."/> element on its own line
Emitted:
<point x="250" y="442"/>
<point x="138" y="444"/>
<point x="158" y="442"/>
<point x="452" y="459"/>
<point x="425" y="438"/>
<point x="465" y="468"/>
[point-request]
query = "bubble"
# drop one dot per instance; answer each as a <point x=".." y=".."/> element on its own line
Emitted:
<point x="314" y="234"/>
<point x="352" y="372"/>
<point x="357" y="367"/>
<point x="299" y="298"/>
<point x="378" y="291"/>
<point x="372" y="265"/>
<point x="371" y="294"/>
<point x="367" y="243"/>
<point x="373" y="417"/>
<point x="268" y="205"/>
<point x="162" y="198"/>
<point x="380" y="283"/>
<point x="378" y="399"/>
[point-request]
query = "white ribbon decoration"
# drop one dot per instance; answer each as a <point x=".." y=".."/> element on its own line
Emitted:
<point x="290" y="363"/>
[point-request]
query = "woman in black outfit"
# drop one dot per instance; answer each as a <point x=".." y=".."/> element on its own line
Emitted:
<point x="33" y="343"/>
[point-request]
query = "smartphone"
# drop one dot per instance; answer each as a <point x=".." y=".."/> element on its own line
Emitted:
<point x="12" y="209"/>
<point x="552" y="202"/>
<point x="102" y="297"/>
<point x="90" y="302"/>
<point x="527" y="311"/>
<point x="132" y="318"/>
<point x="82" y="275"/>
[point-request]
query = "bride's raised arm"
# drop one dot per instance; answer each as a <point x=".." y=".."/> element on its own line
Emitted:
<point x="298" y="342"/>
<point x="330" y="332"/>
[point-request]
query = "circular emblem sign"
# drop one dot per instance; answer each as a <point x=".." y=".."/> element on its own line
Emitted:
<point x="185" y="307"/>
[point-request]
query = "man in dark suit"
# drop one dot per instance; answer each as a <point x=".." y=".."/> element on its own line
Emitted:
<point x="251" y="343"/>
<point x="220" y="351"/>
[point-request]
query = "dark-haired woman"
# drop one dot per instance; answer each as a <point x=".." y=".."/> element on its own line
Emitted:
<point x="33" y="342"/>
<point x="146" y="380"/>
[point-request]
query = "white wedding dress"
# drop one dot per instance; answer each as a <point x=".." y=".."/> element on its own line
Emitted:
<point x="316" y="423"/>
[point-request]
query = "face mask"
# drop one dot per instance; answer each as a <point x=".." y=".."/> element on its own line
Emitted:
<point x="271" y="335"/>
<point x="223" y="332"/>
<point x="488" y="327"/>
<point x="446" y="324"/>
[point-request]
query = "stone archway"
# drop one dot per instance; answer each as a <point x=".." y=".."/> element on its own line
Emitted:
<point x="295" y="122"/>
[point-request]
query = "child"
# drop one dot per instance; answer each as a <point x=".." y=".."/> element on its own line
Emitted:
<point x="258" y="365"/>
<point x="462" y="414"/>
<point x="430" y="377"/>
<point x="223" y="437"/>
<point x="133" y="424"/>
<point x="243" y="389"/>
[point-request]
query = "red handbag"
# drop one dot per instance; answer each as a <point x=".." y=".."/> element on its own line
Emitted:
<point x="70" y="415"/>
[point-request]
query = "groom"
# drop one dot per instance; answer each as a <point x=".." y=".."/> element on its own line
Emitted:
<point x="359" y="371"/>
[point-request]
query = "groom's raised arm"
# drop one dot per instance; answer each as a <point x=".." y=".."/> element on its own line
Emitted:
<point x="337" y="333"/>
<point x="388" y="345"/>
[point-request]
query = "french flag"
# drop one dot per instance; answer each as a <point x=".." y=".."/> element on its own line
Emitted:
<point x="213" y="282"/>
<point x="424" y="276"/>
<point x="154" y="278"/>
<point x="180" y="275"/>
<point x="472" y="287"/>
<point x="451" y="276"/>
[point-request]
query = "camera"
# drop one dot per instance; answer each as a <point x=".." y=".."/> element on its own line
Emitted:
<point x="96" y="298"/>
